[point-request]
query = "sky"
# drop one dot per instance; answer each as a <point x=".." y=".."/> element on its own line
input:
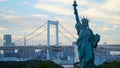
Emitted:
<point x="21" y="17"/>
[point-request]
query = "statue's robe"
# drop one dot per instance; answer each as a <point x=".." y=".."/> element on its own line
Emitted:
<point x="86" y="42"/>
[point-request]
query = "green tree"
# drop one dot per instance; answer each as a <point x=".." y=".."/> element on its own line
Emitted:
<point x="44" y="65"/>
<point x="26" y="66"/>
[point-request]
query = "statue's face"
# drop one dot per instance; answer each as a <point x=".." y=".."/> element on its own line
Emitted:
<point x="85" y="23"/>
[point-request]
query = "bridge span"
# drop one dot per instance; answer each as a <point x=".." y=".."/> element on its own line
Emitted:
<point x="108" y="47"/>
<point x="42" y="47"/>
<point x="59" y="48"/>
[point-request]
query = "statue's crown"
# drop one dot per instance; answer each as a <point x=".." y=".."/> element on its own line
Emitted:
<point x="84" y="19"/>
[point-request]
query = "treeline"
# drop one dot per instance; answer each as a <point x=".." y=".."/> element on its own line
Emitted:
<point x="114" y="64"/>
<point x="29" y="64"/>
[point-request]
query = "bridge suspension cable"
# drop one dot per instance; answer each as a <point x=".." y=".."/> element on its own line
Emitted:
<point x="30" y="33"/>
<point x="68" y="31"/>
<point x="37" y="34"/>
<point x="65" y="36"/>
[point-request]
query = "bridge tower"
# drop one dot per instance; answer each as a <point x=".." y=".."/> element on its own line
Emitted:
<point x="48" y="35"/>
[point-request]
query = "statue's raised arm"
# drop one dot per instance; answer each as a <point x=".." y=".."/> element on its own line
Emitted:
<point x="78" y="24"/>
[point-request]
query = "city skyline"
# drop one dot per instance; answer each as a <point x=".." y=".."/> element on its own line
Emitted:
<point x="21" y="17"/>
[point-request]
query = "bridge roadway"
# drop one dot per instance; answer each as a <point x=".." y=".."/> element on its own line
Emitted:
<point x="41" y="47"/>
<point x="108" y="47"/>
<point x="59" y="48"/>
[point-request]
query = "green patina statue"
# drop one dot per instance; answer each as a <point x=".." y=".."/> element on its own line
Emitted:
<point x="86" y="41"/>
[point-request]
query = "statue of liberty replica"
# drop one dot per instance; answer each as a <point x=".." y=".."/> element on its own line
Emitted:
<point x="86" y="41"/>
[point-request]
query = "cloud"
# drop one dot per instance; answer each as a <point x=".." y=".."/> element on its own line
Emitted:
<point x="5" y="12"/>
<point x="104" y="29"/>
<point x="41" y="15"/>
<point x="62" y="1"/>
<point x="93" y="9"/>
<point x="56" y="1"/>
<point x="101" y="11"/>
<point x="110" y="39"/>
<point x="1" y="36"/>
<point x="2" y="0"/>
<point x="24" y="3"/>
<point x="2" y="28"/>
<point x="54" y="9"/>
<point x="112" y="5"/>
<point x="1" y="39"/>
<point x="23" y="20"/>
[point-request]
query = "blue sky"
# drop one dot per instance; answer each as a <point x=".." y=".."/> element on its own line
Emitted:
<point x="20" y="17"/>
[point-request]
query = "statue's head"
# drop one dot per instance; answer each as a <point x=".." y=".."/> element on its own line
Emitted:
<point x="85" y="22"/>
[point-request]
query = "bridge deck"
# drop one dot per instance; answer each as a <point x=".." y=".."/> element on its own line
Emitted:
<point x="62" y="47"/>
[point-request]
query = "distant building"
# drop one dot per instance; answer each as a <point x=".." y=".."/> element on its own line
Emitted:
<point x="41" y="55"/>
<point x="8" y="42"/>
<point x="65" y="56"/>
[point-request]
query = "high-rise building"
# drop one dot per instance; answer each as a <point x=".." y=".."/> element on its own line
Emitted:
<point x="8" y="42"/>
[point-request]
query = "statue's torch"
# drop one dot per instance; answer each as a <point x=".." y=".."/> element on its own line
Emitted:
<point x="74" y="4"/>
